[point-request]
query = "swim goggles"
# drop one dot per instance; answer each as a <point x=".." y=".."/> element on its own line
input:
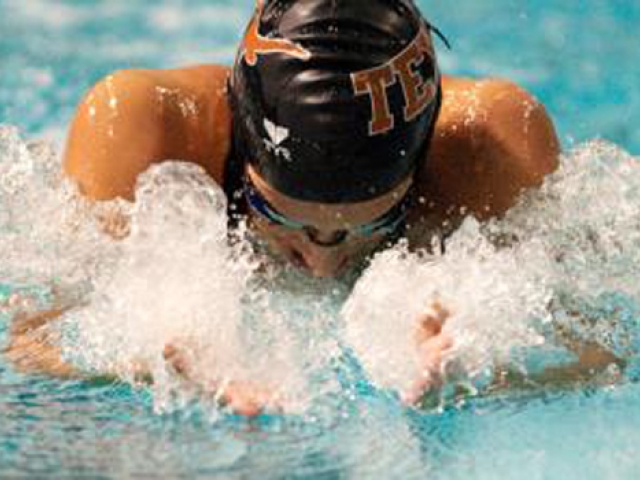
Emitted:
<point x="387" y="224"/>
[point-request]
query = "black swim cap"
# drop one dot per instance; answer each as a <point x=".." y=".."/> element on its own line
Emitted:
<point x="335" y="100"/>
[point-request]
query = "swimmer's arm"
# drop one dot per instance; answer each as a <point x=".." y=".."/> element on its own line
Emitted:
<point x="493" y="141"/>
<point x="593" y="360"/>
<point x="32" y="350"/>
<point x="592" y="367"/>
<point x="134" y="118"/>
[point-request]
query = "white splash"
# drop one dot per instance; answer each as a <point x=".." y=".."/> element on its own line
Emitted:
<point x="578" y="236"/>
<point x="173" y="280"/>
<point x="176" y="280"/>
<point x="49" y="236"/>
<point x="179" y="283"/>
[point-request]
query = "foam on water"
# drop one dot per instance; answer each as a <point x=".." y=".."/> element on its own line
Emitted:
<point x="176" y="280"/>
<point x="179" y="282"/>
<point x="557" y="259"/>
<point x="173" y="280"/>
<point x="490" y="297"/>
<point x="50" y="236"/>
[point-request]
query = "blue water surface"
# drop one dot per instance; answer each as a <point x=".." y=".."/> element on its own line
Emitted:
<point x="578" y="57"/>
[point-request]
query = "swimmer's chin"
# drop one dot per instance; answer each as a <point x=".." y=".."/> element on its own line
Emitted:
<point x="348" y="268"/>
<point x="289" y="275"/>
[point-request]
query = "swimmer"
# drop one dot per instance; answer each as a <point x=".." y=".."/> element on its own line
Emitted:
<point x="335" y="133"/>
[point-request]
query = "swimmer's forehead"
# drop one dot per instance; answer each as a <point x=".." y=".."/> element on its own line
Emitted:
<point x="333" y="214"/>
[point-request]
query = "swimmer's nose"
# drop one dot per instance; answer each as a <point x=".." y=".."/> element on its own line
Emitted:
<point x="321" y="262"/>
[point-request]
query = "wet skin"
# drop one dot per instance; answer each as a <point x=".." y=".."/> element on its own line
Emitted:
<point x="327" y="221"/>
<point x="492" y="141"/>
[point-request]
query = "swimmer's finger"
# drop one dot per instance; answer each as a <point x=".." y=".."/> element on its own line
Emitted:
<point x="420" y="388"/>
<point x="427" y="382"/>
<point x="247" y="399"/>
<point x="176" y="357"/>
<point x="441" y="312"/>
<point x="432" y="354"/>
<point x="433" y="351"/>
<point x="430" y="323"/>
<point x="438" y="344"/>
<point x="430" y="379"/>
<point x="428" y="327"/>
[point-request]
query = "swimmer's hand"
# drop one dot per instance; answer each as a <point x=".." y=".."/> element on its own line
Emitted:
<point x="433" y="345"/>
<point x="242" y="397"/>
<point x="32" y="348"/>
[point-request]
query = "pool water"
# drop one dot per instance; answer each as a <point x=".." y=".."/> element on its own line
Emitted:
<point x="572" y="56"/>
<point x="337" y="352"/>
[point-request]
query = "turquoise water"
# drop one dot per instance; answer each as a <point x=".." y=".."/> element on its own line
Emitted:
<point x="572" y="54"/>
<point x="578" y="59"/>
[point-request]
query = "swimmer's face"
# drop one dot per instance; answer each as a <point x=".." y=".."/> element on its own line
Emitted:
<point x="333" y="237"/>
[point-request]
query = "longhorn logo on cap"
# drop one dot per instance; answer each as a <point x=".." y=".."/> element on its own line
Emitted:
<point x="255" y="44"/>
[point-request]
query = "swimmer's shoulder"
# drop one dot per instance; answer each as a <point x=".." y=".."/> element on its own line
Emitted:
<point x="134" y="118"/>
<point x="493" y="140"/>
